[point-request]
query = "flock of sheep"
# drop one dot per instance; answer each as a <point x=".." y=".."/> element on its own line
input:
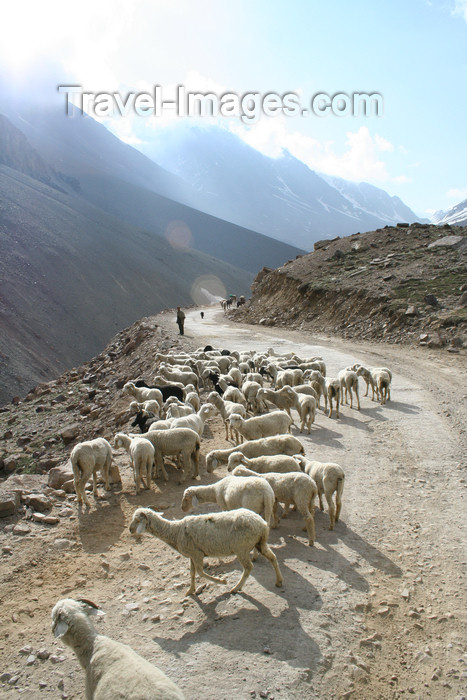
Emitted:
<point x="266" y="466"/>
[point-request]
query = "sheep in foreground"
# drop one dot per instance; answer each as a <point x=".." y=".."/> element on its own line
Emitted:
<point x="329" y="478"/>
<point x="273" y="423"/>
<point x="230" y="493"/>
<point x="274" y="445"/>
<point x="113" y="670"/>
<point x="349" y="383"/>
<point x="294" y="488"/>
<point x="87" y="458"/>
<point x="141" y="393"/>
<point x="192" y="397"/>
<point x="141" y="453"/>
<point x="233" y="532"/>
<point x="174" y="442"/>
<point x="266" y="463"/>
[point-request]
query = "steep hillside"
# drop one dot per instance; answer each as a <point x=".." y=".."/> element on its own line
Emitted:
<point x="280" y="197"/>
<point x="72" y="275"/>
<point x="398" y="284"/>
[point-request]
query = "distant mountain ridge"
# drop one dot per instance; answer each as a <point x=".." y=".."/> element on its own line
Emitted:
<point x="280" y="197"/>
<point x="457" y="215"/>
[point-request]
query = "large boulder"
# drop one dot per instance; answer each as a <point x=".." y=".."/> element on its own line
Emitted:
<point x="9" y="502"/>
<point x="59" y="475"/>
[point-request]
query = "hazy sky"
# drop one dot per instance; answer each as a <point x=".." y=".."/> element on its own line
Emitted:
<point x="412" y="52"/>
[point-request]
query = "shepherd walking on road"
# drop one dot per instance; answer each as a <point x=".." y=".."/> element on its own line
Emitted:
<point x="180" y="320"/>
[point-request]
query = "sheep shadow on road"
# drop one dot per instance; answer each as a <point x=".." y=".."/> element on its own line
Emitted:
<point x="245" y="624"/>
<point x="353" y="540"/>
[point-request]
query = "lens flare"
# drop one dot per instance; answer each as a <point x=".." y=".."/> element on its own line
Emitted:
<point x="207" y="289"/>
<point x="178" y="235"/>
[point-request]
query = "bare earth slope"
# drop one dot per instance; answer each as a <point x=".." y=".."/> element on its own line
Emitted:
<point x="375" y="610"/>
<point x="400" y="284"/>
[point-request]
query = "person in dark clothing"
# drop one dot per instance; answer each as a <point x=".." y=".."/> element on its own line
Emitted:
<point x="180" y="320"/>
<point x="202" y="315"/>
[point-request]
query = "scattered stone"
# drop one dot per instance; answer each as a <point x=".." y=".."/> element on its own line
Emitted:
<point x="26" y="650"/>
<point x="38" y="501"/>
<point x="62" y="543"/>
<point x="30" y="660"/>
<point x="59" y="475"/>
<point x="55" y="659"/>
<point x="21" y="529"/>
<point x="70" y="433"/>
<point x="144" y="567"/>
<point x="43" y="654"/>
<point x="9" y="503"/>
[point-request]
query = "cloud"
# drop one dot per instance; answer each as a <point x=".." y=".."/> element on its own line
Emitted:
<point x="457" y="193"/>
<point x="460" y="9"/>
<point x="361" y="159"/>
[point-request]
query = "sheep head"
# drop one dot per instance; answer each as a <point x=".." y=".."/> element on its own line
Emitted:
<point x="66" y="612"/>
<point x="189" y="500"/>
<point x="139" y="521"/>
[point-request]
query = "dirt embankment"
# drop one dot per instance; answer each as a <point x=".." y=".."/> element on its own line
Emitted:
<point x="404" y="284"/>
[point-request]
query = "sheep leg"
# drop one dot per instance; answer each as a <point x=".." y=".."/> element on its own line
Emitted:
<point x="358" y="398"/>
<point x="245" y="561"/>
<point x="275" y="517"/>
<point x="197" y="560"/>
<point x="309" y="523"/>
<point x="332" y="511"/>
<point x="226" y="423"/>
<point x="320" y="498"/>
<point x="267" y="552"/>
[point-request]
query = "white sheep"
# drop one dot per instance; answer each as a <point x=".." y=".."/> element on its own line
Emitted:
<point x="226" y="409"/>
<point x="365" y="373"/>
<point x="235" y="395"/>
<point x="87" y="458"/>
<point x="151" y="406"/>
<point x="289" y="377"/>
<point x="141" y="453"/>
<point x="229" y="493"/>
<point x="273" y="423"/>
<point x="349" y="384"/>
<point x="381" y="381"/>
<point x="233" y="532"/>
<point x="196" y="420"/>
<point x="177" y="409"/>
<point x="266" y="463"/>
<point x="294" y="488"/>
<point x="192" y="397"/>
<point x="329" y="478"/>
<point x="113" y="670"/>
<point x="250" y="392"/>
<point x="175" y="375"/>
<point x="173" y="442"/>
<point x="333" y="391"/>
<point x="318" y="382"/>
<point x="283" y="399"/>
<point x="274" y="445"/>
<point x="305" y="405"/>
<point x="142" y="393"/>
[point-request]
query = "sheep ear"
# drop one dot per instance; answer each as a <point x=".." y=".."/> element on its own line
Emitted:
<point x="90" y="607"/>
<point x="60" y="628"/>
<point x="194" y="501"/>
<point x="140" y="528"/>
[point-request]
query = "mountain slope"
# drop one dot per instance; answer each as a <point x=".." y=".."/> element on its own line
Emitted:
<point x="457" y="215"/>
<point x="117" y="178"/>
<point x="280" y="197"/>
<point x="72" y="275"/>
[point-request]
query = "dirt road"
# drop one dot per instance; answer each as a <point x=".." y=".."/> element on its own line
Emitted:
<point x="376" y="609"/>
